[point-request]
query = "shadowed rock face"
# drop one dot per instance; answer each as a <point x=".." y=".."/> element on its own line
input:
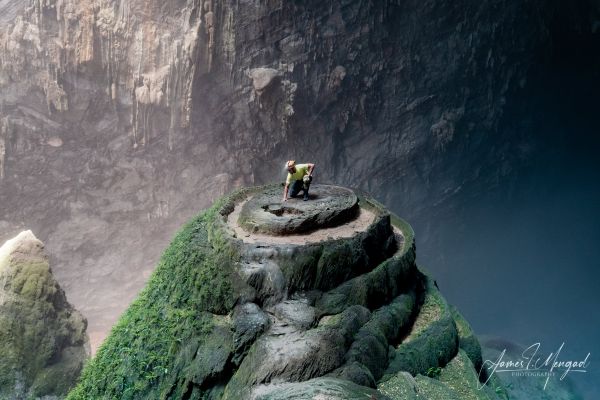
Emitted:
<point x="342" y="318"/>
<point x="43" y="340"/>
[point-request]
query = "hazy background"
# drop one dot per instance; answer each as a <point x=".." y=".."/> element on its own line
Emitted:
<point x="522" y="261"/>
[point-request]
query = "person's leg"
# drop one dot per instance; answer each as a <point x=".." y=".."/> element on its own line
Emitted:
<point x="305" y="187"/>
<point x="295" y="188"/>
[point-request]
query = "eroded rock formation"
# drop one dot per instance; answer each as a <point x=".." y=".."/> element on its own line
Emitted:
<point x="340" y="312"/>
<point x="43" y="340"/>
<point x="119" y="118"/>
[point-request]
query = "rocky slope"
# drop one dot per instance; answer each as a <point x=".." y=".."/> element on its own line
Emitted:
<point x="43" y="341"/>
<point x="119" y="118"/>
<point x="236" y="314"/>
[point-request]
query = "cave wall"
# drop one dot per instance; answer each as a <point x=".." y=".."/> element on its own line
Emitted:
<point x="120" y="119"/>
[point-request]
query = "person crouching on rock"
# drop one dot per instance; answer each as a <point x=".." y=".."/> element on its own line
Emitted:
<point x="300" y="177"/>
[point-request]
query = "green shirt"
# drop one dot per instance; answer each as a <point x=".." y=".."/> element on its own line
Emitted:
<point x="301" y="170"/>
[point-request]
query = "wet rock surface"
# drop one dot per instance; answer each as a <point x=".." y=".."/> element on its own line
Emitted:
<point x="327" y="206"/>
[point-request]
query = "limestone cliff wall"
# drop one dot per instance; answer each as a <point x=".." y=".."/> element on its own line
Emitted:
<point x="119" y="119"/>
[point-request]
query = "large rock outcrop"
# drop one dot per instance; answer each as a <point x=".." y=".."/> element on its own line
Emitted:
<point x="43" y="340"/>
<point x="142" y="110"/>
<point x="237" y="311"/>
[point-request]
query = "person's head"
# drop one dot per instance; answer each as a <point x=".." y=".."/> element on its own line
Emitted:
<point x="291" y="166"/>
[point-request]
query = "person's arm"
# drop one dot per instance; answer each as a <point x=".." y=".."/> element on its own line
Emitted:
<point x="285" y="191"/>
<point x="311" y="168"/>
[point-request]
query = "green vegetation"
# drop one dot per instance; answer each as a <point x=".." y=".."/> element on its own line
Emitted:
<point x="433" y="372"/>
<point x="460" y="375"/>
<point x="433" y="340"/>
<point x="371" y="204"/>
<point x="151" y="351"/>
<point x="177" y="340"/>
<point x="42" y="338"/>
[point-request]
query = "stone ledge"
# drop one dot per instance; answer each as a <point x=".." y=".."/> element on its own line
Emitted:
<point x="328" y="206"/>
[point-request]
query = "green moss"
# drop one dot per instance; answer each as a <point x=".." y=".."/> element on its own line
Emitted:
<point x="402" y="386"/>
<point x="460" y="375"/>
<point x="41" y="336"/>
<point x="467" y="339"/>
<point x="392" y="277"/>
<point x="319" y="388"/>
<point x="371" y="204"/>
<point x="149" y="351"/>
<point x="433" y="340"/>
<point x="432" y="389"/>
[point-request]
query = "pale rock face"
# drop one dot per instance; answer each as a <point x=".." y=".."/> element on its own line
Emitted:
<point x="24" y="246"/>
<point x="263" y="77"/>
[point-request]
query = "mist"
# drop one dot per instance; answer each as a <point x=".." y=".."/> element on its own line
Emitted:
<point x="522" y="261"/>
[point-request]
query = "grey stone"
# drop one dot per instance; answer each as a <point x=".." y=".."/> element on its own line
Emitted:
<point x="249" y="322"/>
<point x="319" y="388"/>
<point x="329" y="206"/>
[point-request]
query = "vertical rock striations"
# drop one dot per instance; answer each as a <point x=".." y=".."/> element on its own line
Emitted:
<point x="126" y="114"/>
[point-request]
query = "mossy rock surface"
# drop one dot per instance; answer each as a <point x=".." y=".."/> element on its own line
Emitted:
<point x="460" y="375"/>
<point x="457" y="380"/>
<point x="175" y="340"/>
<point x="227" y="318"/>
<point x="371" y="345"/>
<point x="467" y="339"/>
<point x="433" y="338"/>
<point x="298" y="355"/>
<point x="43" y="339"/>
<point x="433" y="389"/>
<point x="319" y="388"/>
<point x="403" y="386"/>
<point x="378" y="287"/>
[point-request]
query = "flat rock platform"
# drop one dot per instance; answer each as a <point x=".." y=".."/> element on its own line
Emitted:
<point x="327" y="206"/>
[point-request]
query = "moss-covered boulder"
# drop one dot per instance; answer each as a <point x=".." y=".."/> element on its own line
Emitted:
<point x="433" y="339"/>
<point x="43" y="340"/>
<point x="467" y="339"/>
<point x="234" y="313"/>
<point x="457" y="380"/>
<point x="318" y="388"/>
<point x="461" y="376"/>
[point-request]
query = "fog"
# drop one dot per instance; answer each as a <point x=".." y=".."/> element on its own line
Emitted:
<point x="522" y="261"/>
